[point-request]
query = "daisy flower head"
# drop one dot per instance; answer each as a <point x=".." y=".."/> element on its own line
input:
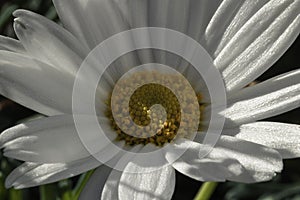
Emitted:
<point x="141" y="88"/>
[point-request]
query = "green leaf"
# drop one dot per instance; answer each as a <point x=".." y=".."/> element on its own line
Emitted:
<point x="48" y="192"/>
<point x="6" y="13"/>
<point x="15" y="194"/>
<point x="81" y="183"/>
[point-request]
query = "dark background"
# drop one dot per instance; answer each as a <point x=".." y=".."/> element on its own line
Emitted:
<point x="284" y="186"/>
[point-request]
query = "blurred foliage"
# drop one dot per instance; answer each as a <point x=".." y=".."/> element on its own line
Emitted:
<point x="286" y="186"/>
<point x="12" y="113"/>
<point x="43" y="7"/>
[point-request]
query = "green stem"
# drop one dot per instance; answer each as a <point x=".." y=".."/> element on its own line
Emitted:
<point x="3" y="190"/>
<point x="15" y="194"/>
<point x="65" y="188"/>
<point x="67" y="195"/>
<point x="206" y="191"/>
<point x="48" y="192"/>
<point x="81" y="183"/>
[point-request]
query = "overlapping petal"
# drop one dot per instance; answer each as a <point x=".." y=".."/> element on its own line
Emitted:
<point x="112" y="184"/>
<point x="272" y="97"/>
<point x="261" y="163"/>
<point x="48" y="140"/>
<point x="96" y="184"/>
<point x="111" y="189"/>
<point x="35" y="84"/>
<point x="216" y="166"/>
<point x="158" y="184"/>
<point x="9" y="44"/>
<point x="33" y="174"/>
<point x="259" y="43"/>
<point x="92" y="21"/>
<point x="49" y="42"/>
<point x="238" y="160"/>
<point x="280" y="136"/>
<point x="56" y="140"/>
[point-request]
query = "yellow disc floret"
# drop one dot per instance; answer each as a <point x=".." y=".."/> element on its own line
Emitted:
<point x="139" y="110"/>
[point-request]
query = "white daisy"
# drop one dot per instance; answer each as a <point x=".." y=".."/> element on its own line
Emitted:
<point x="244" y="38"/>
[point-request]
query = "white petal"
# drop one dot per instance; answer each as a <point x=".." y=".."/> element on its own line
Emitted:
<point x="127" y="162"/>
<point x="245" y="161"/>
<point x="9" y="44"/>
<point x="121" y="160"/>
<point x="158" y="184"/>
<point x="269" y="86"/>
<point x="35" y="84"/>
<point x="56" y="139"/>
<point x="19" y="171"/>
<point x="33" y="174"/>
<point x="282" y="137"/>
<point x="110" y="190"/>
<point x="95" y="185"/>
<point x="92" y="21"/>
<point x="272" y="97"/>
<point x="48" y="41"/>
<point x="259" y="42"/>
<point x="50" y="140"/>
<point x="261" y="163"/>
<point x="164" y="14"/>
<point x="214" y="167"/>
<point x="136" y="13"/>
<point x="200" y="15"/>
<point x="242" y="10"/>
<point x="218" y="23"/>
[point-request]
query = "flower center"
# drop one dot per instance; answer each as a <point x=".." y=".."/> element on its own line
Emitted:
<point x="141" y="101"/>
